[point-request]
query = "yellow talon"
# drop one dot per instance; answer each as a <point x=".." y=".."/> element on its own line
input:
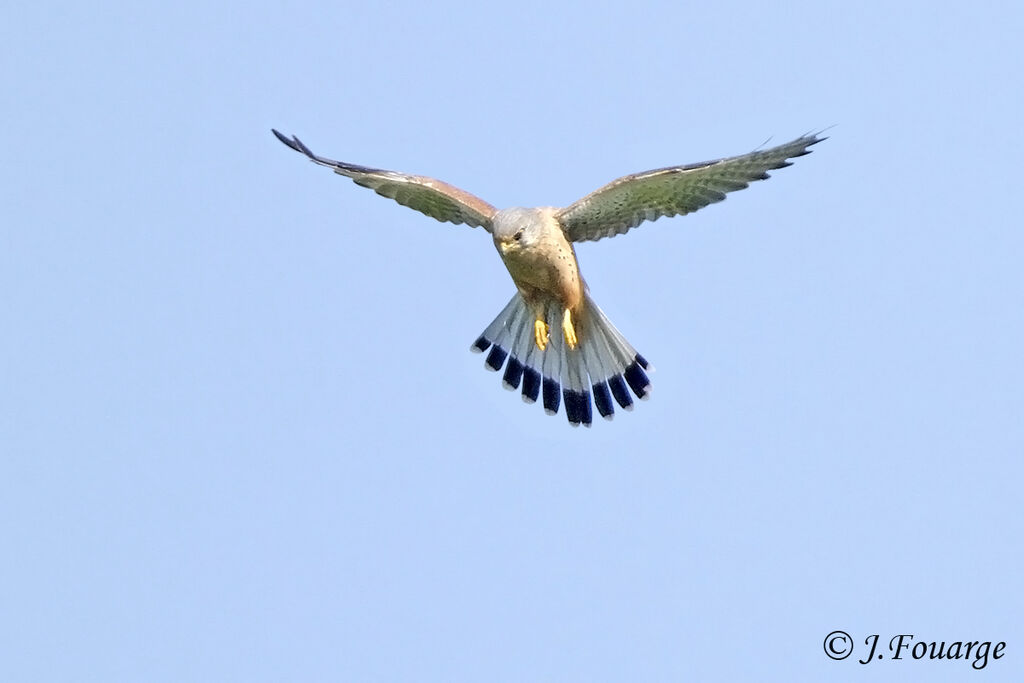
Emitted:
<point x="569" y="330"/>
<point x="540" y="333"/>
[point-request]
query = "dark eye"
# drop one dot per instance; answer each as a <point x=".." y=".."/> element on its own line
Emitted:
<point x="518" y="236"/>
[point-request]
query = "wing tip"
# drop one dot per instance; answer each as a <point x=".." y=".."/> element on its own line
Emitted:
<point x="809" y="139"/>
<point x="799" y="148"/>
<point x="280" y="136"/>
<point x="294" y="143"/>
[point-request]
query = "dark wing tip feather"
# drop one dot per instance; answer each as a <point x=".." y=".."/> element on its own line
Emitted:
<point x="339" y="166"/>
<point x="808" y="140"/>
<point x="294" y="143"/>
<point x="280" y="136"/>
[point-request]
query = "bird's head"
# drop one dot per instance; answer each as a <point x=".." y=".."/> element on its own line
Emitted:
<point x="516" y="229"/>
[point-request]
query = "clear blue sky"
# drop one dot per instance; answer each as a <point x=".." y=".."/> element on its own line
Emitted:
<point x="243" y="438"/>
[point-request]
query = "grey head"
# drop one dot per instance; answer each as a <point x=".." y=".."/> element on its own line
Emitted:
<point x="517" y="228"/>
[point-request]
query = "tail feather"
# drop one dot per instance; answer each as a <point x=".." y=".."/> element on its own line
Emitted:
<point x="514" y="370"/>
<point x="600" y="368"/>
<point x="550" y="368"/>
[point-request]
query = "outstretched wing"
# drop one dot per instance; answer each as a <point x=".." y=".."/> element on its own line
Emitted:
<point x="435" y="198"/>
<point x="627" y="202"/>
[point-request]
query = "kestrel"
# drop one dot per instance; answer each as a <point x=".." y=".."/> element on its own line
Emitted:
<point x="588" y="356"/>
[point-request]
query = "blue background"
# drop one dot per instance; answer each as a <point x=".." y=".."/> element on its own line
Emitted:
<point x="243" y="437"/>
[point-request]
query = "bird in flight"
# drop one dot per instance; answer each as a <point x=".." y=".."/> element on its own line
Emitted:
<point x="585" y="356"/>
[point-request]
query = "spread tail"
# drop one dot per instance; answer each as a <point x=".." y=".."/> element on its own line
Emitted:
<point x="603" y="363"/>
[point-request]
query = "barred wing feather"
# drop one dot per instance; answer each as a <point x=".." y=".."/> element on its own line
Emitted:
<point x="429" y="196"/>
<point x="675" y="191"/>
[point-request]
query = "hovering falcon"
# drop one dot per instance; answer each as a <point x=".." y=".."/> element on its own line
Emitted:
<point x="586" y="355"/>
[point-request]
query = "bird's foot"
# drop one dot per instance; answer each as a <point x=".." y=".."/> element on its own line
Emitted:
<point x="569" y="329"/>
<point x="540" y="333"/>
